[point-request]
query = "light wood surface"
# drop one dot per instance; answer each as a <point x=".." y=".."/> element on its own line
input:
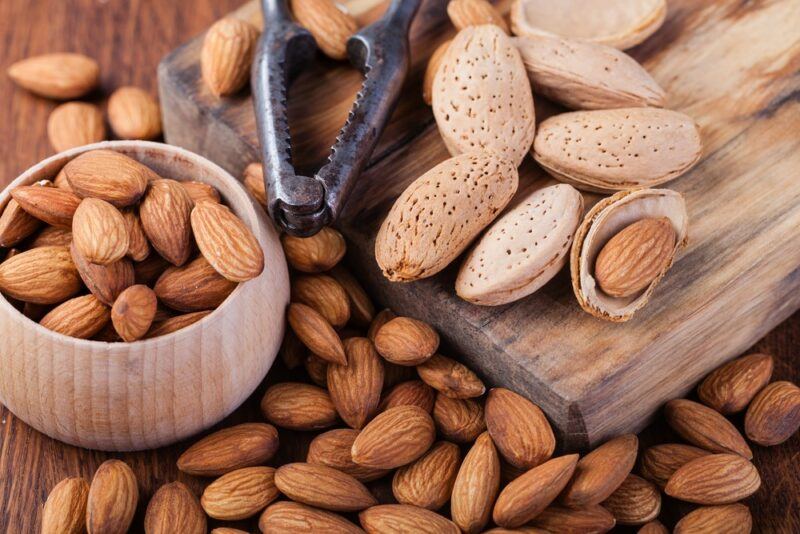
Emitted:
<point x="150" y="393"/>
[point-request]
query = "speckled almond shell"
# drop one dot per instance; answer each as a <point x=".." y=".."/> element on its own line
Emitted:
<point x="604" y="221"/>
<point x="523" y="249"/>
<point x="616" y="149"/>
<point x="441" y="212"/>
<point x="618" y="23"/>
<point x="584" y="75"/>
<point x="482" y="98"/>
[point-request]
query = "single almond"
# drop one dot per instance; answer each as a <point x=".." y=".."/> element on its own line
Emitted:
<point x="149" y="269"/>
<point x="226" y="530"/>
<point x="714" y="479"/>
<point x="58" y="76"/>
<point x="333" y="449"/>
<point x="432" y="68"/>
<point x="253" y="179"/>
<point x="199" y="191"/>
<point x="774" y="415"/>
<point x="227" y="53"/>
<point x="519" y="428"/>
<point x="133" y="312"/>
<point x="99" y="232"/>
<point x="61" y="182"/>
<point x="406" y="341"/>
<point x="394" y="438"/>
<point x="727" y="518"/>
<point x="134" y="114"/>
<point x="476" y="486"/>
<point x="192" y="287"/>
<point x="50" y="236"/>
<point x="240" y="494"/>
<point x="399" y="518"/>
<point x="165" y="213"/>
<point x="43" y="275"/>
<point x="601" y="472"/>
<point x="330" y="24"/>
<point x="65" y="509"/>
<point x="409" y="393"/>
<point x="173" y="324"/>
<point x="316" y="333"/>
<point x="49" y="204"/>
<point x="380" y="319"/>
<point x="174" y="508"/>
<point x="323" y="487"/>
<point x="138" y="245"/>
<point x="635" y="502"/>
<point x="108" y="175"/>
<point x="317" y="370"/>
<point x="105" y="282"/>
<point x="459" y="420"/>
<point x="556" y="519"/>
<point x="653" y="527"/>
<point x="464" y="13"/>
<point x="428" y="482"/>
<point x="244" y="445"/>
<point x="75" y="124"/>
<point x="80" y="317"/>
<point x="450" y="377"/>
<point x="298" y="406"/>
<point x="325" y="295"/>
<point x="355" y="389"/>
<point x="16" y="224"/>
<point x="113" y="496"/>
<point x="704" y="427"/>
<point x="659" y="462"/>
<point x="314" y="254"/>
<point x="731" y="387"/>
<point x="288" y="517"/>
<point x="362" y="311"/>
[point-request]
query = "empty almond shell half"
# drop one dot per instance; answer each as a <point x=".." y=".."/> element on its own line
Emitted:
<point x="523" y="249"/>
<point x="605" y="220"/>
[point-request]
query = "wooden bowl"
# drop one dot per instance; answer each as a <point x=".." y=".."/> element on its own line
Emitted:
<point x="142" y="395"/>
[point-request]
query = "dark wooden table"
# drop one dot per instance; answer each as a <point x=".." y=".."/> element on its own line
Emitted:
<point x="128" y="37"/>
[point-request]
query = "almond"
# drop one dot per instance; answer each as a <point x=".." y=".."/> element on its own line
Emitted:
<point x="362" y="311"/>
<point x="43" y="275"/>
<point x="240" y="494"/>
<point x="325" y="295"/>
<point x="731" y="387"/>
<point x="227" y="53"/>
<point x="394" y="438"/>
<point x="199" y="191"/>
<point x="298" y="406"/>
<point x="292" y="351"/>
<point x="226" y="530"/>
<point x="105" y="282"/>
<point x="61" y="182"/>
<point x="476" y="486"/>
<point x="16" y="224"/>
<point x="287" y="517"/>
<point x="52" y="236"/>
<point x="450" y="377"/>
<point x="459" y="420"/>
<point x="601" y="472"/>
<point x="174" y="508"/>
<point x="519" y="428"/>
<point x="430" y="71"/>
<point x="714" y="479"/>
<point x="355" y="389"/>
<point x="529" y="494"/>
<point x="316" y="333"/>
<point x="406" y="341"/>
<point x="133" y="312"/>
<point x="80" y="317"/>
<point x="494" y="112"/>
<point x="323" y="487"/>
<point x="428" y="482"/>
<point x="635" y="256"/>
<point x="50" y="204"/>
<point x="440" y="213"/>
<point x="653" y="527"/>
<point x="314" y="254"/>
<point x="173" y="324"/>
<point x="113" y="496"/>
<point x="99" y="232"/>
<point x="58" y="76"/>
<point x="253" y="179"/>
<point x="134" y="114"/>
<point x="728" y="518"/>
<point x="380" y="319"/>
<point x="774" y="415"/>
<point x="635" y="502"/>
<point x="704" y="427"/>
<point x="650" y="146"/>
<point x="75" y="124"/>
<point x="138" y="245"/>
<point x="165" y="213"/>
<point x="317" y="370"/>
<point x="65" y="509"/>
<point x="330" y="24"/>
<point x="464" y="13"/>
<point x="236" y="447"/>
<point x="558" y="520"/>
<point x="333" y="449"/>
<point x="410" y="393"/>
<point x="149" y="269"/>
<point x="660" y="461"/>
<point x="109" y="176"/>
<point x="192" y="287"/>
<point x="401" y="518"/>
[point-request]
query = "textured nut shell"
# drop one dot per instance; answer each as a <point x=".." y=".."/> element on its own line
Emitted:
<point x="332" y="448"/>
<point x="65" y="509"/>
<point x="482" y="99"/>
<point x="459" y="420"/>
<point x="618" y="23"/>
<point x="728" y="518"/>
<point x="80" y="317"/>
<point x="75" y="124"/>
<point x="59" y="76"/>
<point x="174" y="508"/>
<point x="240" y="494"/>
<point x="600" y="473"/>
<point x="105" y="282"/>
<point x="428" y="482"/>
<point x="394" y="438"/>
<point x="441" y="212"/>
<point x="134" y="114"/>
<point x="298" y="406"/>
<point x="235" y="447"/>
<point x="355" y="389"/>
<point x="604" y="221"/>
<point x="323" y="487"/>
<point x="43" y="275"/>
<point x="400" y="518"/>
<point x="330" y="24"/>
<point x="584" y="75"/>
<point x="227" y="53"/>
<point x="523" y="249"/>
<point x="774" y="415"/>
<point x="731" y="387"/>
<point x="100" y="232"/>
<point x="714" y="479"/>
<point x="165" y="213"/>
<point x="476" y="486"/>
<point x="465" y="13"/>
<point x="635" y="502"/>
<point x="705" y="427"/>
<point x="286" y="517"/>
<point x="113" y="496"/>
<point x="431" y="69"/>
<point x="646" y="147"/>
<point x="133" y="312"/>
<point x="193" y="287"/>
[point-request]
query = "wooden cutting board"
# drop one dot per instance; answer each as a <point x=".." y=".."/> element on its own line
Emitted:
<point x="733" y="66"/>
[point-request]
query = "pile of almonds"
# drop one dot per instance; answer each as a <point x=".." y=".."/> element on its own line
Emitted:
<point x="386" y="432"/>
<point x="92" y="253"/>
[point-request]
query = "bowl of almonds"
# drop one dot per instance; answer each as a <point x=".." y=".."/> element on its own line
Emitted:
<point x="143" y="291"/>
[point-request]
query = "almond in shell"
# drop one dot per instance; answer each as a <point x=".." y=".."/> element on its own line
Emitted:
<point x="192" y="287"/>
<point x="774" y="415"/>
<point x="333" y="449"/>
<point x="99" y="232"/>
<point x="49" y="204"/>
<point x="428" y="482"/>
<point x="459" y="420"/>
<point x="165" y="213"/>
<point x="519" y="428"/>
<point x="134" y="114"/>
<point x="286" y="517"/>
<point x="394" y="438"/>
<point x="476" y="486"/>
<point x="714" y="479"/>
<point x="75" y="124"/>
<point x="61" y="76"/>
<point x="133" y="312"/>
<point x="706" y="428"/>
<point x="227" y="53"/>
<point x="356" y="388"/>
<point x="635" y="502"/>
<point x="731" y="387"/>
<point x="65" y="509"/>
<point x="298" y="406"/>
<point x="113" y="496"/>
<point x="601" y="472"/>
<point x="174" y="508"/>
<point x="109" y="176"/>
<point x="329" y="22"/>
<point x="400" y="518"/>
<point x="80" y="317"/>
<point x="240" y="494"/>
<point x="244" y="445"/>
<point x="728" y="518"/>
<point x="314" y="254"/>
<point x="323" y="487"/>
<point x="43" y="275"/>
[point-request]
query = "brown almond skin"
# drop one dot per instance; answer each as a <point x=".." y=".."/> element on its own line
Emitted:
<point x="476" y="486"/>
<point x="149" y="269"/>
<point x="44" y="275"/>
<point x="635" y="502"/>
<point x="355" y="389"/>
<point x="731" y="387"/>
<point x="430" y="70"/>
<point x="100" y="232"/>
<point x="558" y="520"/>
<point x="192" y="287"/>
<point x="227" y="53"/>
<point x="109" y="176"/>
<point x="406" y="341"/>
<point x="333" y="449"/>
<point x="727" y="518"/>
<point x="65" y="509"/>
<point x="253" y="179"/>
<point x="529" y="494"/>
<point x="61" y="76"/>
<point x="292" y="352"/>
<point x="199" y="191"/>
<point x="714" y="479"/>
<point x="600" y="473"/>
<point x="459" y="420"/>
<point x="52" y="205"/>
<point x="393" y="374"/>
<point x="173" y="324"/>
<point x="165" y="213"/>
<point x="286" y="517"/>
<point x="410" y="393"/>
<point x="133" y="312"/>
<point x="704" y="427"/>
<point x="52" y="236"/>
<point x="113" y="496"/>
<point x="226" y="530"/>
<point x="75" y="124"/>
<point x="174" y="508"/>
<point x="316" y="333"/>
<point x="428" y="482"/>
<point x="134" y="114"/>
<point x="450" y="377"/>
<point x="16" y="224"/>
<point x="774" y="415"/>
<point x="80" y="317"/>
<point x="106" y="282"/>
<point x="660" y="461"/>
<point x="402" y="518"/>
<point x="464" y="13"/>
<point x="231" y="448"/>
<point x="394" y="438"/>
<point x="323" y="487"/>
<point x="325" y="295"/>
<point x="330" y="25"/>
<point x="240" y="494"/>
<point x="315" y="254"/>
<point x="380" y="319"/>
<point x="317" y="370"/>
<point x="138" y="245"/>
<point x="298" y="406"/>
<point x="362" y="310"/>
<point x="519" y="428"/>
<point x="653" y="527"/>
